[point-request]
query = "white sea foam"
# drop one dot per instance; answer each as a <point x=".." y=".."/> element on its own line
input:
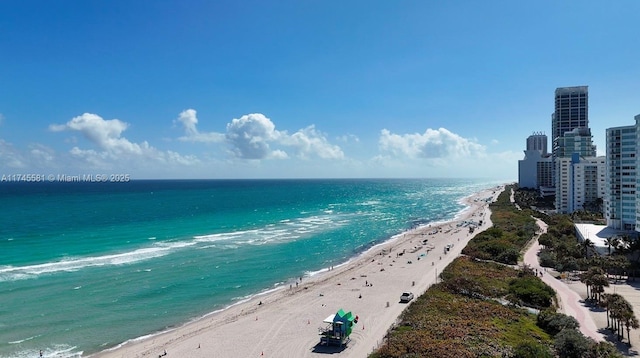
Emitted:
<point x="284" y="230"/>
<point x="58" y="351"/>
<point x="13" y="273"/>
<point x="369" y="203"/>
<point x="23" y="340"/>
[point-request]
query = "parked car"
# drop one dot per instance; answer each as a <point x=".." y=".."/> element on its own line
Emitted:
<point x="406" y="297"/>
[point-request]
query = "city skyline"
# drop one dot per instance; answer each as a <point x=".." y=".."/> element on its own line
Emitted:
<point x="302" y="90"/>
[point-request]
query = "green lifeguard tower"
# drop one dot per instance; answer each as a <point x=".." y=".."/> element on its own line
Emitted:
<point x="339" y="328"/>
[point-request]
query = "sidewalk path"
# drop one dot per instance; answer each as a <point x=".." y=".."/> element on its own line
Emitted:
<point x="569" y="301"/>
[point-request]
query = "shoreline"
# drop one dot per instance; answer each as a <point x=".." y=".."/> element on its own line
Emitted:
<point x="283" y="314"/>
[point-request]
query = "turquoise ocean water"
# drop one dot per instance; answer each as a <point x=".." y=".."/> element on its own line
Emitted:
<point x="87" y="266"/>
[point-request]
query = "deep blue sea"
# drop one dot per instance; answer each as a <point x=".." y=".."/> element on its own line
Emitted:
<point x="87" y="266"/>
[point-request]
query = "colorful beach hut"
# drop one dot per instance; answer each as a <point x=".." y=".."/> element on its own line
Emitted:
<point x="339" y="328"/>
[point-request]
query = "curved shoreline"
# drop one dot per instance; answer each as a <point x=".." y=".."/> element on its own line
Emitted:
<point x="285" y="314"/>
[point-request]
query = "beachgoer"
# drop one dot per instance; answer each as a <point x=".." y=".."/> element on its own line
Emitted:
<point x="360" y="296"/>
<point x="41" y="353"/>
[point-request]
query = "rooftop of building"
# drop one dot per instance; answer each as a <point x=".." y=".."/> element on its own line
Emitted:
<point x="598" y="234"/>
<point x="574" y="89"/>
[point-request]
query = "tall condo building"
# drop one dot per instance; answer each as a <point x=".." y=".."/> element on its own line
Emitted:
<point x="637" y="118"/>
<point x="571" y="110"/>
<point x="620" y="195"/>
<point x="578" y="176"/>
<point x="581" y="183"/>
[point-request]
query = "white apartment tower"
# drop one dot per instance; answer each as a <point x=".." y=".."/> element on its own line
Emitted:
<point x="581" y="182"/>
<point x="573" y="153"/>
<point x="570" y="134"/>
<point x="620" y="197"/>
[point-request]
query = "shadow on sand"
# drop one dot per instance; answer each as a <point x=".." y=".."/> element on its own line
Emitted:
<point x="592" y="306"/>
<point x="630" y="281"/>
<point x="623" y="347"/>
<point x="328" y="349"/>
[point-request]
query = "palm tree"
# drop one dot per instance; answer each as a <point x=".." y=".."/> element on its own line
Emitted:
<point x="615" y="307"/>
<point x="595" y="280"/>
<point x="587" y="244"/>
<point x="611" y="242"/>
<point x="618" y="264"/>
<point x="621" y="312"/>
<point x="606" y="302"/>
<point x="630" y="321"/>
<point x="598" y="283"/>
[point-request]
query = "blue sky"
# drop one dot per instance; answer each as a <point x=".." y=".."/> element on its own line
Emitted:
<point x="300" y="89"/>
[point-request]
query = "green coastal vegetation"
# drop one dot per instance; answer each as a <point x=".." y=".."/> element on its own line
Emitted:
<point x="486" y="305"/>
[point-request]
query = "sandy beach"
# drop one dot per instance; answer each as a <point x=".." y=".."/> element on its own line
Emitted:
<point x="286" y="322"/>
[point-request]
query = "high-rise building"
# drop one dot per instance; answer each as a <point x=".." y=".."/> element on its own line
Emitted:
<point x="620" y="196"/>
<point x="580" y="182"/>
<point x="573" y="151"/>
<point x="571" y="110"/>
<point x="535" y="169"/>
<point x="637" y="118"/>
<point x="538" y="141"/>
<point x="578" y="140"/>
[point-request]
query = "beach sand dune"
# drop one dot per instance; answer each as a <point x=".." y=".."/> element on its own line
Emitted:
<point x="286" y="322"/>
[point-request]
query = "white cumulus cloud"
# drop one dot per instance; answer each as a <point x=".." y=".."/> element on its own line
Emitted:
<point x="432" y="144"/>
<point x="106" y="135"/>
<point x="309" y="141"/>
<point x="255" y="137"/>
<point x="250" y="136"/>
<point x="189" y="120"/>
